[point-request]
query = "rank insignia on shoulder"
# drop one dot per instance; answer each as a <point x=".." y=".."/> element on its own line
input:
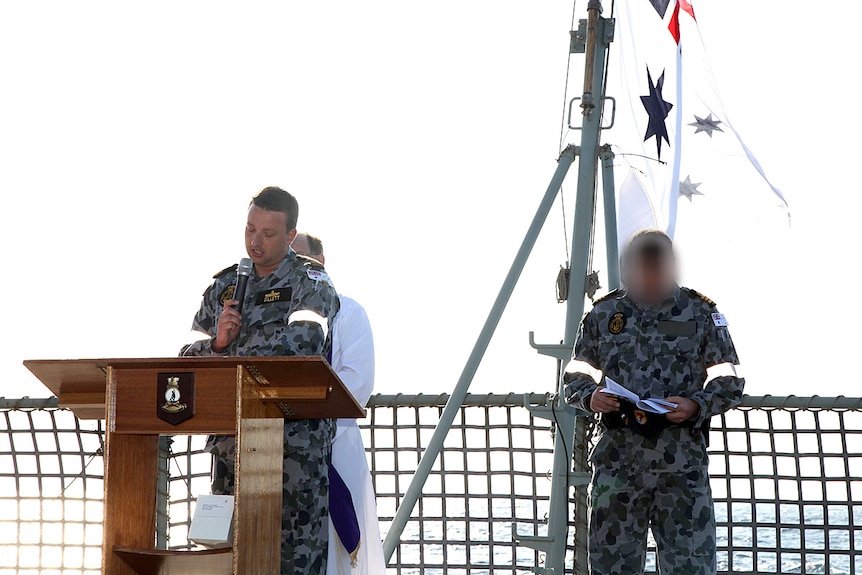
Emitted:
<point x="617" y="323"/>
<point x="226" y="271"/>
<point x="614" y="293"/>
<point x="317" y="275"/>
<point x="226" y="294"/>
<point x="719" y="320"/>
<point x="696" y="293"/>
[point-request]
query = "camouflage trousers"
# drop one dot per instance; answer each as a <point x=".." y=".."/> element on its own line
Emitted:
<point x="677" y="506"/>
<point x="305" y="495"/>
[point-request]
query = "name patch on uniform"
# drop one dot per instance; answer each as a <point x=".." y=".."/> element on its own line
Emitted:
<point x="719" y="320"/>
<point x="273" y="295"/>
<point x="226" y="294"/>
<point x="617" y="323"/>
<point x="317" y="275"/>
<point x="677" y="327"/>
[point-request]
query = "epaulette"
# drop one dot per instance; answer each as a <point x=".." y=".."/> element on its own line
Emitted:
<point x="697" y="294"/>
<point x="617" y="292"/>
<point x="313" y="269"/>
<point x="225" y="271"/>
<point x="310" y="261"/>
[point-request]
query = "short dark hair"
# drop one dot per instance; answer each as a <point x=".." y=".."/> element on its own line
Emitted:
<point x="649" y="244"/>
<point x="274" y="199"/>
<point x="315" y="245"/>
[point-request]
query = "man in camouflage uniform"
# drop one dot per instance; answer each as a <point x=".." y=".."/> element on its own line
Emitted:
<point x="288" y="305"/>
<point x="660" y="341"/>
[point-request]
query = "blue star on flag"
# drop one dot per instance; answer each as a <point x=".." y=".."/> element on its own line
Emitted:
<point x="658" y="110"/>
<point x="708" y="124"/>
<point x="660" y="6"/>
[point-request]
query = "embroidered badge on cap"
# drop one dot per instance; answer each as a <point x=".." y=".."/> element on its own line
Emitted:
<point x="719" y="320"/>
<point x="317" y="275"/>
<point x="227" y="294"/>
<point x="617" y="323"/>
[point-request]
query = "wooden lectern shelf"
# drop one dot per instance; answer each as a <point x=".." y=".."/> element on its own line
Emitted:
<point x="156" y="562"/>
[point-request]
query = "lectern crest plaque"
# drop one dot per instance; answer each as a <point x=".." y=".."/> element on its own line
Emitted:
<point x="175" y="397"/>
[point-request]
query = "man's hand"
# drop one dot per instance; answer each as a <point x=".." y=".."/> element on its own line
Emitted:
<point x="685" y="409"/>
<point x="603" y="402"/>
<point x="229" y="323"/>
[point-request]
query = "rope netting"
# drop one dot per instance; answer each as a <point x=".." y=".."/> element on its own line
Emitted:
<point x="786" y="476"/>
<point x="50" y="492"/>
<point x="788" y="490"/>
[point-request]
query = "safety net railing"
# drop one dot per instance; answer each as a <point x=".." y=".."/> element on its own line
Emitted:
<point x="786" y="477"/>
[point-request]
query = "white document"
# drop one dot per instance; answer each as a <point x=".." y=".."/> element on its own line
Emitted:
<point x="653" y="404"/>
<point x="212" y="524"/>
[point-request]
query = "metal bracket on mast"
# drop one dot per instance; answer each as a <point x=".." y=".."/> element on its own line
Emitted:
<point x="578" y="38"/>
<point x="557" y="351"/>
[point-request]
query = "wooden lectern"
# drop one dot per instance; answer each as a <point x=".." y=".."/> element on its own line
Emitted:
<point x="145" y="398"/>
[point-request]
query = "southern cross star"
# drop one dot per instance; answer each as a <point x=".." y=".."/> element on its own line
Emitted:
<point x="708" y="124"/>
<point x="689" y="188"/>
<point x="658" y="110"/>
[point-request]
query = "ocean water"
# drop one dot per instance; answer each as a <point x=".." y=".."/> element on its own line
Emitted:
<point x="759" y="538"/>
<point x="785" y="538"/>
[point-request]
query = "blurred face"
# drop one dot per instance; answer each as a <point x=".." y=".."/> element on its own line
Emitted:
<point x="651" y="278"/>
<point x="266" y="238"/>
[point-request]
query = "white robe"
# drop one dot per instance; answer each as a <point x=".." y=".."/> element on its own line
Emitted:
<point x="353" y="361"/>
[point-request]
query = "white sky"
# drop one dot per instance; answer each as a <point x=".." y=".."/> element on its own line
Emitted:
<point x="418" y="139"/>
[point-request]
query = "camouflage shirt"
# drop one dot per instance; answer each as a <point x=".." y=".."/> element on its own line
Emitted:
<point x="274" y="312"/>
<point x="657" y="351"/>
<point x="273" y="324"/>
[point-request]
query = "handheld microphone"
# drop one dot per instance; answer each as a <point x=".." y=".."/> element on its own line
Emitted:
<point x="243" y="272"/>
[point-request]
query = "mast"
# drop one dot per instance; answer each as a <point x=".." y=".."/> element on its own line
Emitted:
<point x="593" y="37"/>
<point x="570" y="444"/>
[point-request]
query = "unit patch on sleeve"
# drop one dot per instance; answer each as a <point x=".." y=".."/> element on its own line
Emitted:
<point x="226" y="294"/>
<point x="317" y="275"/>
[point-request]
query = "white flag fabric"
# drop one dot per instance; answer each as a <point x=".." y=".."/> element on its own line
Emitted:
<point x="674" y="143"/>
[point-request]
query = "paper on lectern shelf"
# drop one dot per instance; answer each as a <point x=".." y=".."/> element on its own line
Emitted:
<point x="212" y="524"/>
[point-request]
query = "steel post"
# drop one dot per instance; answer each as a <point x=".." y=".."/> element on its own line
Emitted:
<point x="610" y="205"/>
<point x="162" y="492"/>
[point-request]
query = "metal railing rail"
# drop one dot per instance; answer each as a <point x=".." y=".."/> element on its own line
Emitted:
<point x="786" y="476"/>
